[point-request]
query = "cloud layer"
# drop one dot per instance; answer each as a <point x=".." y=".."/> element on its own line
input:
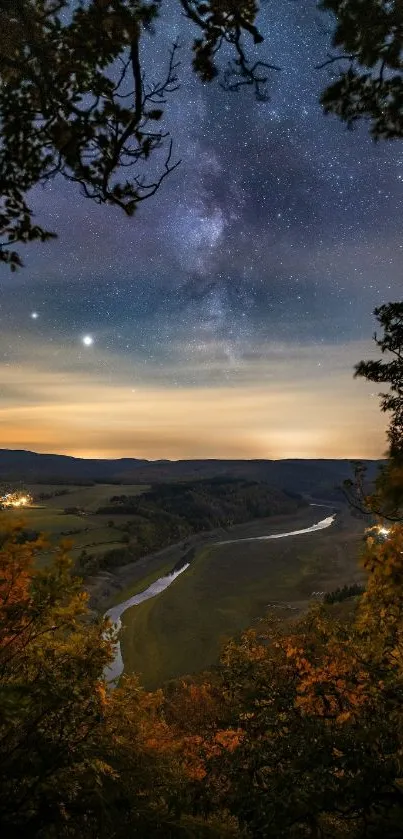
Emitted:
<point x="280" y="401"/>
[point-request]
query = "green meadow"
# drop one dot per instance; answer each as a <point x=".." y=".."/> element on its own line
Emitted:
<point x="85" y="530"/>
<point x="87" y="498"/>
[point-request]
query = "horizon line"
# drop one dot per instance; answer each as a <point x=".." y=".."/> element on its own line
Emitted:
<point x="196" y="459"/>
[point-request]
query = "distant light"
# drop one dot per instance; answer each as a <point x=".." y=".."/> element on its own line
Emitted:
<point x="88" y="340"/>
<point x="16" y="499"/>
<point x="34" y="315"/>
<point x="384" y="531"/>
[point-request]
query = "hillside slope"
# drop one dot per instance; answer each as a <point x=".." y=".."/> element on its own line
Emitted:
<point x="316" y="477"/>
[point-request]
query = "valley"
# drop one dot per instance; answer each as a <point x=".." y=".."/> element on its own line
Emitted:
<point x="227" y="587"/>
<point x="127" y="539"/>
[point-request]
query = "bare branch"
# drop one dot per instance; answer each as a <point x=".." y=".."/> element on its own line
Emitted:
<point x="333" y="59"/>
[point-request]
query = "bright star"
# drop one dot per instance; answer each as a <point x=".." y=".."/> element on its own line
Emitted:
<point x="88" y="340"/>
<point x="34" y="315"/>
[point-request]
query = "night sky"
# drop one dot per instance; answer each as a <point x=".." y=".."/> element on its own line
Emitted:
<point x="225" y="318"/>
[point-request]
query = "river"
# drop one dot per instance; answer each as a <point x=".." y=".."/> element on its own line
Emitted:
<point x="115" y="670"/>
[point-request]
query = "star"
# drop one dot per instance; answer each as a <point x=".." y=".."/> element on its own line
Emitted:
<point x="265" y="245"/>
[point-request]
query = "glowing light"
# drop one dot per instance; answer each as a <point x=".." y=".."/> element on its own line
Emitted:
<point x="34" y="315"/>
<point x="15" y="499"/>
<point x="88" y="340"/>
<point x="378" y="531"/>
<point x="383" y="531"/>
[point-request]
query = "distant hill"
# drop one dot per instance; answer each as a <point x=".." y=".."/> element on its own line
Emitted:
<point x="20" y="465"/>
<point x="313" y="477"/>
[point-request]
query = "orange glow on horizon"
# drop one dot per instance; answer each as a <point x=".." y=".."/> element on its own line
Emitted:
<point x="286" y="407"/>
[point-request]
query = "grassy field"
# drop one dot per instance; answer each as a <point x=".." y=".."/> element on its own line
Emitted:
<point x="85" y="497"/>
<point x="89" y="531"/>
<point x="227" y="587"/>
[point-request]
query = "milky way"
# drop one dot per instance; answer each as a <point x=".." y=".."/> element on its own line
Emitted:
<point x="256" y="266"/>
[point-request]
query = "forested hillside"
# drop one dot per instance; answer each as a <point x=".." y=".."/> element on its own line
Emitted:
<point x="171" y="512"/>
<point x="219" y="502"/>
<point x="320" y="477"/>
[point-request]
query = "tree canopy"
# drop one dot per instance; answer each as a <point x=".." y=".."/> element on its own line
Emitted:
<point x="77" y="100"/>
<point x="74" y="759"/>
<point x="368" y="38"/>
<point x="390" y="372"/>
<point x="387" y="498"/>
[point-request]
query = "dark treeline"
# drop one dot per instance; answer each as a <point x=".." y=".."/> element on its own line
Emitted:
<point x="207" y="503"/>
<point x="344" y="593"/>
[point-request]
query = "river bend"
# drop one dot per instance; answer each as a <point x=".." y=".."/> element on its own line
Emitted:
<point x="115" y="670"/>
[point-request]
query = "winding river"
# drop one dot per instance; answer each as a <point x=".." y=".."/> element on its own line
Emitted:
<point x="115" y="670"/>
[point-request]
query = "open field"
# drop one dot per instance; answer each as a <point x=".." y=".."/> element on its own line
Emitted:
<point x="52" y="521"/>
<point x="227" y="587"/>
<point x="85" y="497"/>
<point x="82" y="532"/>
<point x="88" y="531"/>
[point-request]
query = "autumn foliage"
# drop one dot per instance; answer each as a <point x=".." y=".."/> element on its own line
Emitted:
<point x="298" y="732"/>
<point x="314" y="717"/>
<point x="74" y="758"/>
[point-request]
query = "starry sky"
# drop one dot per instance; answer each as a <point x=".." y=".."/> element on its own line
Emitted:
<point x="225" y="318"/>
